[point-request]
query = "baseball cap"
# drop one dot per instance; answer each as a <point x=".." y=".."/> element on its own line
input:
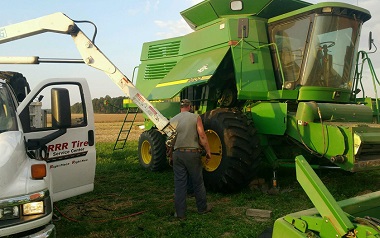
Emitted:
<point x="185" y="103"/>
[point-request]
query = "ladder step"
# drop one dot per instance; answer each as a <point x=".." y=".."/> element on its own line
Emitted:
<point x="125" y="132"/>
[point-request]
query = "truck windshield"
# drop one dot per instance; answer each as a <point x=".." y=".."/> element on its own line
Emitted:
<point x="331" y="55"/>
<point x="7" y="110"/>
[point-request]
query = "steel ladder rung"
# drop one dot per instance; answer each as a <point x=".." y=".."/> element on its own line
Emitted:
<point x="123" y="131"/>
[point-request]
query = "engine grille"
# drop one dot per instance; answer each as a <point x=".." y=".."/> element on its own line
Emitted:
<point x="167" y="49"/>
<point x="158" y="71"/>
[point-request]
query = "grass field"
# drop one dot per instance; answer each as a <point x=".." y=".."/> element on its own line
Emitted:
<point x="129" y="201"/>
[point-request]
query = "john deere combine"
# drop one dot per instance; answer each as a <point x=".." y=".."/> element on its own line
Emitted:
<point x="271" y="80"/>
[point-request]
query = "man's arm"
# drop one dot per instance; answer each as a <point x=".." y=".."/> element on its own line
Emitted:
<point x="203" y="138"/>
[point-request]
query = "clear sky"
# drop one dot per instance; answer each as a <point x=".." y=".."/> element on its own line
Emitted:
<point x="123" y="26"/>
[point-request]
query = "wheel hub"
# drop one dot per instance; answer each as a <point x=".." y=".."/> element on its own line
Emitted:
<point x="146" y="152"/>
<point x="216" y="151"/>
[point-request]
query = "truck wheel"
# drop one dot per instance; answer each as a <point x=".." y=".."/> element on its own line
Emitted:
<point x="234" y="147"/>
<point x="152" y="150"/>
<point x="18" y="83"/>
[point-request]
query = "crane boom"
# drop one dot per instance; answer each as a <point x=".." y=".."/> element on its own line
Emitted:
<point x="91" y="55"/>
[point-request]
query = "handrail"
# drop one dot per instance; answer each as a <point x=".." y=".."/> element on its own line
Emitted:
<point x="359" y="76"/>
<point x="279" y="61"/>
<point x="262" y="46"/>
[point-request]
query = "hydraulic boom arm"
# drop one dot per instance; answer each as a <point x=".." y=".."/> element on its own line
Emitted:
<point x="92" y="56"/>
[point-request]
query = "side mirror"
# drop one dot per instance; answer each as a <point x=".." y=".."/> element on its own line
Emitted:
<point x="60" y="108"/>
<point x="370" y="40"/>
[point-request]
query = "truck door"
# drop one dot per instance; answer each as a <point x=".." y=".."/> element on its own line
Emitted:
<point x="71" y="157"/>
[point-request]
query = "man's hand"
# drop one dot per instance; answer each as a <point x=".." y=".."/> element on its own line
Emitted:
<point x="169" y="154"/>
<point x="208" y="157"/>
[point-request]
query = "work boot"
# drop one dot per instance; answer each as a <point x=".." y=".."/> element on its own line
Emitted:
<point x="179" y="218"/>
<point x="208" y="209"/>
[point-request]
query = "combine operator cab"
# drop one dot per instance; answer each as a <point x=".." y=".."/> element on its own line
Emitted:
<point x="317" y="48"/>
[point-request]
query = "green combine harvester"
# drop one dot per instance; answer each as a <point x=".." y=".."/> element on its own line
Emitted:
<point x="273" y="80"/>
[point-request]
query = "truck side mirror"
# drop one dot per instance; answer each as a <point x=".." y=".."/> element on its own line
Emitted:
<point x="60" y="118"/>
<point x="60" y="108"/>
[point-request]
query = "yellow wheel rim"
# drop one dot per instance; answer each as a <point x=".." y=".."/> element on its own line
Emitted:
<point x="216" y="151"/>
<point x="146" y="152"/>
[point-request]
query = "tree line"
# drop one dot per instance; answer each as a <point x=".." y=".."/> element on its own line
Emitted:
<point x="106" y="105"/>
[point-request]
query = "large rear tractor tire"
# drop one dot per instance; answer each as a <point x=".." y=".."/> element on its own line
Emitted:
<point x="234" y="147"/>
<point x="152" y="150"/>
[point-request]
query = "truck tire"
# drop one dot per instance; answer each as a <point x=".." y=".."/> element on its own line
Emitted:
<point x="18" y="83"/>
<point x="234" y="147"/>
<point x="152" y="150"/>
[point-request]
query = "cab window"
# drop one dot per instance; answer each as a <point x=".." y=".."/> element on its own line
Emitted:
<point x="290" y="39"/>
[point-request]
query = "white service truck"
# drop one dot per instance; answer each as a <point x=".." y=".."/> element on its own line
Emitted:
<point x="45" y="163"/>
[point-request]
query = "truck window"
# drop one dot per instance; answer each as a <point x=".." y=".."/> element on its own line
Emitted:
<point x="7" y="110"/>
<point x="40" y="108"/>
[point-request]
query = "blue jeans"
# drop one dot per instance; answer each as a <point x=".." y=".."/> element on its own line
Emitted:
<point x="188" y="165"/>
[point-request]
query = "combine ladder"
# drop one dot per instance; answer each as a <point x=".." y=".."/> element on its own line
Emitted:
<point x="125" y="128"/>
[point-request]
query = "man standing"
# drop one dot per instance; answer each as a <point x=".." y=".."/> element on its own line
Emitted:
<point x="187" y="159"/>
